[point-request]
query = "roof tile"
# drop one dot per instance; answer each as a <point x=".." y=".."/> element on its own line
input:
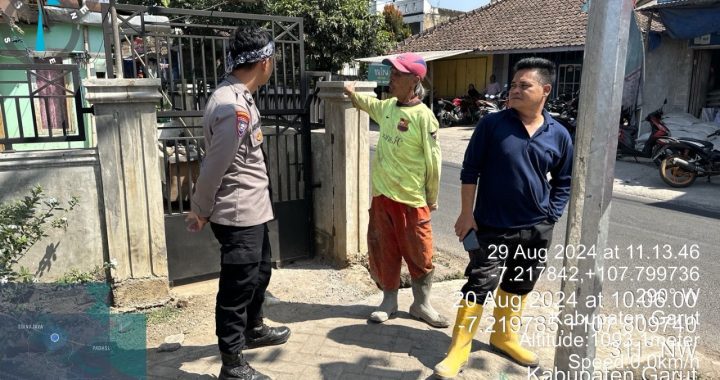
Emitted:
<point x="507" y="25"/>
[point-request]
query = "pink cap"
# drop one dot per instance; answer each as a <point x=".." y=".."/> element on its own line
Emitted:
<point x="408" y="63"/>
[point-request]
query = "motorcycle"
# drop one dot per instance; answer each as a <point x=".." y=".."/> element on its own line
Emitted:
<point x="627" y="143"/>
<point x="564" y="111"/>
<point x="459" y="111"/>
<point x="686" y="159"/>
<point x="467" y="110"/>
<point x="491" y="104"/>
<point x="447" y="115"/>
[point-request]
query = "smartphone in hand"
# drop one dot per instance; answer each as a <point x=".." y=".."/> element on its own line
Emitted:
<point x="470" y="242"/>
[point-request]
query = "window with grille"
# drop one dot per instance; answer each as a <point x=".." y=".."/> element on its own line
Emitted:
<point x="568" y="79"/>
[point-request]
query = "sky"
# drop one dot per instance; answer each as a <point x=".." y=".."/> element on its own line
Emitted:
<point x="460" y="5"/>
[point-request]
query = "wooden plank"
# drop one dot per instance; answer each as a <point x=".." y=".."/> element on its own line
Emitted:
<point x="461" y="77"/>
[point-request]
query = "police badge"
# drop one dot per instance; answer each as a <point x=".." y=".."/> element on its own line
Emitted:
<point x="248" y="98"/>
<point x="243" y="121"/>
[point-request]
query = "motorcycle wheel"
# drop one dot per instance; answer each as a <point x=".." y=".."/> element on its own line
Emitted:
<point x="443" y="120"/>
<point x="675" y="175"/>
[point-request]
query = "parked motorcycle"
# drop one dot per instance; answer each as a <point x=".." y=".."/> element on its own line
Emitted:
<point x="686" y="159"/>
<point x="467" y="110"/>
<point x="446" y="116"/>
<point x="564" y="110"/>
<point x="459" y="111"/>
<point x="491" y="104"/>
<point x="627" y="143"/>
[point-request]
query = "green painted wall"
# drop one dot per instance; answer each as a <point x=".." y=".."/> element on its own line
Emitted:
<point x="60" y="37"/>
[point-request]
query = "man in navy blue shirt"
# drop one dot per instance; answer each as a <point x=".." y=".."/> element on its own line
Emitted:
<point x="511" y="153"/>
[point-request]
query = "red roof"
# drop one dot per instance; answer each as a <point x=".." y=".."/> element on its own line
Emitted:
<point x="507" y="25"/>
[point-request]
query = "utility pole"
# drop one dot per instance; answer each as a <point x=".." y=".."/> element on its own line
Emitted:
<point x="116" y="41"/>
<point x="593" y="170"/>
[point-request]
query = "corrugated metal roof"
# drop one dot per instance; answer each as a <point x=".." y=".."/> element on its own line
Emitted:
<point x="427" y="55"/>
<point x="657" y="4"/>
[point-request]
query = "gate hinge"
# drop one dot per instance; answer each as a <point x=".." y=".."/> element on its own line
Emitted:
<point x="332" y="138"/>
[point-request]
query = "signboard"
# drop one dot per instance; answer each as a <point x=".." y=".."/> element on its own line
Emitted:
<point x="706" y="40"/>
<point x="379" y="73"/>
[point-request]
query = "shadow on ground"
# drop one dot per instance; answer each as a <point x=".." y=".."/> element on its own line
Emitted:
<point x="291" y="312"/>
<point x="174" y="365"/>
<point x="427" y="346"/>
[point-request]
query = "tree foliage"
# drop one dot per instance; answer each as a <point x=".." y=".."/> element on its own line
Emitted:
<point x="240" y="6"/>
<point x="24" y="223"/>
<point x="394" y="23"/>
<point x="336" y="31"/>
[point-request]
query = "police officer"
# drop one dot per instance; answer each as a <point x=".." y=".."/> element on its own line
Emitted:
<point x="232" y="194"/>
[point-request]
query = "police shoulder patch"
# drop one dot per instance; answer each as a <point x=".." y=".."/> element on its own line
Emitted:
<point x="243" y="121"/>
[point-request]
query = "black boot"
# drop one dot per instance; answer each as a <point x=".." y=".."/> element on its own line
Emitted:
<point x="265" y="335"/>
<point x="236" y="368"/>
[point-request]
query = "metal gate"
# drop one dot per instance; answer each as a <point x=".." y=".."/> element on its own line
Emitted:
<point x="186" y="49"/>
<point x="40" y="103"/>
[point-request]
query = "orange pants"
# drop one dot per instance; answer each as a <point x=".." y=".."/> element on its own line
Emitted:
<point x="398" y="231"/>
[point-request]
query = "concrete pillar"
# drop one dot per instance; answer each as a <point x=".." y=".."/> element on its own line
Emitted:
<point x="592" y="180"/>
<point x="343" y="200"/>
<point x="126" y="119"/>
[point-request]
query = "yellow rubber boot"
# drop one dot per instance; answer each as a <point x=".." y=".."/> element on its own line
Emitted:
<point x="504" y="338"/>
<point x="466" y="324"/>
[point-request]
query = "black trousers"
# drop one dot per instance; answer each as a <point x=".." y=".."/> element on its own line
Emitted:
<point x="245" y="271"/>
<point x="510" y="257"/>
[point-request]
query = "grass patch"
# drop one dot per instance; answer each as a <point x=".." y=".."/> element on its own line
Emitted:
<point x="162" y="315"/>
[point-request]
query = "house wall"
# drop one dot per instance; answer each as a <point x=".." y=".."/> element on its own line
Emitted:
<point x="668" y="73"/>
<point x="61" y="39"/>
<point x="62" y="175"/>
<point x="418" y="14"/>
<point x="501" y="68"/>
<point x="406" y="7"/>
<point x="452" y="76"/>
<point x="431" y="20"/>
<point x="559" y="58"/>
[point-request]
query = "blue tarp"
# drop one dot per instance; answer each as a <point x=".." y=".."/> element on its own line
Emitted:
<point x="634" y="59"/>
<point x="654" y="40"/>
<point x="691" y="22"/>
<point x="633" y="67"/>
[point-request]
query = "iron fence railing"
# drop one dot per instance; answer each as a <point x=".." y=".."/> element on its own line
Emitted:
<point x="181" y="154"/>
<point x="40" y="103"/>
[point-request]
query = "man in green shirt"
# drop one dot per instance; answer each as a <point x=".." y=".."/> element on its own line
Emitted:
<point x="405" y="181"/>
